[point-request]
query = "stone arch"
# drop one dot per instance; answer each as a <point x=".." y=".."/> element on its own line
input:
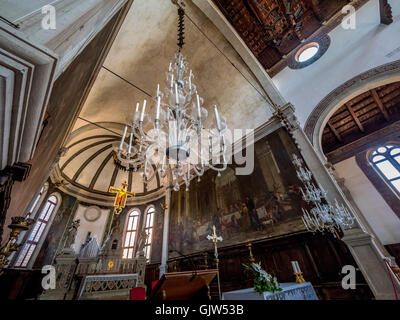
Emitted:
<point x="370" y="79"/>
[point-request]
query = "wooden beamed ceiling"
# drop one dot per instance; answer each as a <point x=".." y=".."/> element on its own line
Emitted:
<point x="272" y="29"/>
<point x="362" y="115"/>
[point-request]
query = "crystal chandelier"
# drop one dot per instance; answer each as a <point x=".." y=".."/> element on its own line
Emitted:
<point x="175" y="143"/>
<point x="323" y="216"/>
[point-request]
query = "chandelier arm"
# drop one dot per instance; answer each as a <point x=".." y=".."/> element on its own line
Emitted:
<point x="144" y="135"/>
<point x="199" y="172"/>
<point x="145" y="178"/>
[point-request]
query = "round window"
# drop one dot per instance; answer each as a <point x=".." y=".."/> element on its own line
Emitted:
<point x="307" y="52"/>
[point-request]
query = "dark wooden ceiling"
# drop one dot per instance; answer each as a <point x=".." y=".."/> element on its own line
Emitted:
<point x="274" y="28"/>
<point x="361" y="116"/>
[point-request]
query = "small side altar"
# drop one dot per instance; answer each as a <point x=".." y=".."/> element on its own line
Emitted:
<point x="290" y="291"/>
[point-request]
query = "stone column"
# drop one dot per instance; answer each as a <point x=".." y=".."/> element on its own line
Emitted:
<point x="363" y="246"/>
<point x="164" y="253"/>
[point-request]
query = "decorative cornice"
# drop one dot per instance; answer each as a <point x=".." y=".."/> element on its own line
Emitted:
<point x="27" y="76"/>
<point x="386" y="12"/>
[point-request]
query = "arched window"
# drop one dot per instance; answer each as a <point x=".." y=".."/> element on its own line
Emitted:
<point x="386" y="160"/>
<point x="148" y="227"/>
<point x="128" y="248"/>
<point x="38" y="200"/>
<point x="38" y="232"/>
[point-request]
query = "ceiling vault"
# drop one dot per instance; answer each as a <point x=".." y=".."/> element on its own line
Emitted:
<point x="72" y="157"/>
<point x="99" y="170"/>
<point x="89" y="159"/>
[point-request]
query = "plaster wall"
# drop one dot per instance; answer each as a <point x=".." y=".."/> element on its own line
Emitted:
<point x="97" y="227"/>
<point x="377" y="212"/>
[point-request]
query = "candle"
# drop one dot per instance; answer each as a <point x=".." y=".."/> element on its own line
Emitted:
<point x="172" y="80"/>
<point x="297" y="266"/>
<point x="123" y="138"/>
<point x="217" y="117"/>
<point x="143" y="109"/>
<point x="158" y="90"/>
<point x="170" y="66"/>
<point x="130" y="144"/>
<point x="176" y="94"/>
<point x="158" y="108"/>
<point x="136" y="116"/>
<point x="293" y="266"/>
<point x="198" y="107"/>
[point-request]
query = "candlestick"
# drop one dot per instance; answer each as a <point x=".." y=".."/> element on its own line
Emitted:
<point x="143" y="109"/>
<point x="123" y="138"/>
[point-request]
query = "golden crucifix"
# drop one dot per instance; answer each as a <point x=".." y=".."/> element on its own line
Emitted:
<point x="121" y="196"/>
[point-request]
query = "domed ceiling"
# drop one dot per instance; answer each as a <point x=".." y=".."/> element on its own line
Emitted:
<point x="87" y="169"/>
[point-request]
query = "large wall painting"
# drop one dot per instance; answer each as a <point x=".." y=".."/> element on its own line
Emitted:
<point x="262" y="205"/>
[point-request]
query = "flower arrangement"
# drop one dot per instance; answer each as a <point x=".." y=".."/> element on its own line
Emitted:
<point x="263" y="281"/>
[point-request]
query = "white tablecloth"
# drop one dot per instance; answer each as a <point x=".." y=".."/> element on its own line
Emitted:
<point x="290" y="291"/>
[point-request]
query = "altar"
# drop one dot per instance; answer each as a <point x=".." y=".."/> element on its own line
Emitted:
<point x="290" y="291"/>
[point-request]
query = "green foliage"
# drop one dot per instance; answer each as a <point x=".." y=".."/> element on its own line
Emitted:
<point x="263" y="281"/>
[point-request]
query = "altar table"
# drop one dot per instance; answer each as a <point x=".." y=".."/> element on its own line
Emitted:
<point x="290" y="291"/>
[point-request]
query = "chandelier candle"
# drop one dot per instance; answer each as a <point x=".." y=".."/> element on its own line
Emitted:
<point x="217" y="117"/>
<point x="123" y="137"/>
<point x="136" y="117"/>
<point x="130" y="144"/>
<point x="143" y="109"/>
<point x="158" y="108"/>
<point x="176" y="95"/>
<point x="198" y="107"/>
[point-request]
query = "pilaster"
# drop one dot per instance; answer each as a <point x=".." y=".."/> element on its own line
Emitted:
<point x="362" y="245"/>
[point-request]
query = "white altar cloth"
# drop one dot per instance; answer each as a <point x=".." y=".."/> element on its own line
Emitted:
<point x="290" y="291"/>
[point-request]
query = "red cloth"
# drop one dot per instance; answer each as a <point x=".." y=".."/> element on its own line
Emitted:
<point x="153" y="284"/>
<point x="138" y="293"/>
